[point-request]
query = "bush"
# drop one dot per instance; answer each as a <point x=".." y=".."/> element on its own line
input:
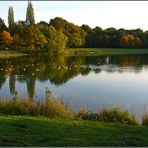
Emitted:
<point x="117" y="114"/>
<point x="49" y="108"/>
<point x="55" y="108"/>
<point x="86" y="115"/>
<point x="109" y="115"/>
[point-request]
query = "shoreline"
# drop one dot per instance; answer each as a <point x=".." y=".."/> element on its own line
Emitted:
<point x="78" y="52"/>
<point x="105" y="51"/>
<point x="10" y="53"/>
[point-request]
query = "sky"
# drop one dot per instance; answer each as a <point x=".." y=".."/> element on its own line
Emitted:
<point x="105" y="14"/>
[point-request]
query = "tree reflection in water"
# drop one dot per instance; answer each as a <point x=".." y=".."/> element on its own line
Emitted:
<point x="61" y="69"/>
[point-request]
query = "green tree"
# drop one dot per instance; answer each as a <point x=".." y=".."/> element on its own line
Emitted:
<point x="145" y="39"/>
<point x="30" y="14"/>
<point x="2" y="28"/>
<point x="11" y="21"/>
<point x="61" y="42"/>
<point x="19" y="38"/>
<point x="93" y="39"/>
<point x="76" y="35"/>
<point x="86" y="28"/>
<point x="58" y="22"/>
<point x="56" y="41"/>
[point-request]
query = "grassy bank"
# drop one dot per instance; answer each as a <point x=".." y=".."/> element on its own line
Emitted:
<point x="56" y="108"/>
<point x="49" y="122"/>
<point x="104" y="51"/>
<point x="80" y="52"/>
<point x="8" y="54"/>
<point x="37" y="131"/>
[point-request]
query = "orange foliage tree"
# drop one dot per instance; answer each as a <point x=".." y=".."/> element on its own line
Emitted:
<point x="129" y="41"/>
<point x="6" y="38"/>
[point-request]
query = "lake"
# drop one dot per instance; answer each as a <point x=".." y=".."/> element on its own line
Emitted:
<point x="91" y="82"/>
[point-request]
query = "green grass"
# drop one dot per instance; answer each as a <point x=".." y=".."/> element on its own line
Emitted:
<point x="37" y="131"/>
<point x="61" y="127"/>
<point x="104" y="51"/>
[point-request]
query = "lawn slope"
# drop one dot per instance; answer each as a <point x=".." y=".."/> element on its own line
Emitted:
<point x="33" y="131"/>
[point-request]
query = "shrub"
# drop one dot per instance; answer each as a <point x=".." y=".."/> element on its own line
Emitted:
<point x="85" y="114"/>
<point x="145" y="117"/>
<point x="50" y="108"/>
<point x="117" y="114"/>
<point x="54" y="107"/>
<point x="109" y="115"/>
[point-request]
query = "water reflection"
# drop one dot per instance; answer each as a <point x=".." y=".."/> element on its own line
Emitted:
<point x="58" y="70"/>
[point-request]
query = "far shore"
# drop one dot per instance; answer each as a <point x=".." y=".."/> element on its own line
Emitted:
<point x="79" y="52"/>
<point x="10" y="53"/>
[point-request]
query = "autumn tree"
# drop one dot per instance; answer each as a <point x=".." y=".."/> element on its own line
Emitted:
<point x="137" y="42"/>
<point x="30" y="14"/>
<point x="16" y="41"/>
<point x="130" y="41"/>
<point x="35" y="39"/>
<point x="6" y="38"/>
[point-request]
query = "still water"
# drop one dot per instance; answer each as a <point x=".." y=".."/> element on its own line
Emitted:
<point x="91" y="82"/>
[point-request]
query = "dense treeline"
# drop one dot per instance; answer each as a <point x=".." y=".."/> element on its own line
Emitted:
<point x="59" y="34"/>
